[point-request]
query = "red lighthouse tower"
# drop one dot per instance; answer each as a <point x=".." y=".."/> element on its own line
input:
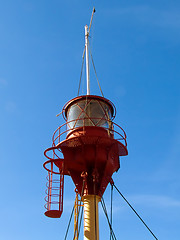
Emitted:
<point x="91" y="144"/>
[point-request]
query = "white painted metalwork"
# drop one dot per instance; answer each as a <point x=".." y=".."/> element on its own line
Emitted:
<point x="87" y="59"/>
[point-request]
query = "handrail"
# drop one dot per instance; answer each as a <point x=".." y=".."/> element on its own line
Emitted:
<point x="54" y="153"/>
<point x="60" y="134"/>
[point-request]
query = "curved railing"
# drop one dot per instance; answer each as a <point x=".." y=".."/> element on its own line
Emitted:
<point x="113" y="128"/>
<point x="54" y="193"/>
<point x="54" y="165"/>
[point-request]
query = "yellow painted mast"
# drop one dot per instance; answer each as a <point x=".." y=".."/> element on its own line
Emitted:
<point x="91" y="217"/>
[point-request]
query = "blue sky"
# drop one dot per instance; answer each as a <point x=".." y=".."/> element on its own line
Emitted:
<point x="136" y="50"/>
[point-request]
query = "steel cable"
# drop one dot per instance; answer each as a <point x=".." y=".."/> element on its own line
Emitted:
<point x="72" y="215"/>
<point x="135" y="212"/>
<point x="69" y="224"/>
<point x="82" y="191"/>
<point x="111" y="211"/>
<point x="106" y="214"/>
<point x="80" y="221"/>
<point x="95" y="72"/>
<point x="81" y="72"/>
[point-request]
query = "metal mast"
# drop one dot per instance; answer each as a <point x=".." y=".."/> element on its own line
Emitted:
<point x="91" y="215"/>
<point x="87" y="59"/>
<point x="91" y="145"/>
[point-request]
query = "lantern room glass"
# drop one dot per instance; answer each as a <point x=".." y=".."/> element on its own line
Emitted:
<point x="89" y="113"/>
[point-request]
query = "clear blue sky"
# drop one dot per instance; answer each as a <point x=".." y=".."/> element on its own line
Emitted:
<point x="136" y="50"/>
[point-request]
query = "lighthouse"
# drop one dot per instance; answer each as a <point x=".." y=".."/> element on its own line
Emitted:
<point x="87" y="147"/>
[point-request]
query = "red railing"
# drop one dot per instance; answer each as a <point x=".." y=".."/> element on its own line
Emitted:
<point x="113" y="128"/>
<point x="54" y="191"/>
<point x="54" y="165"/>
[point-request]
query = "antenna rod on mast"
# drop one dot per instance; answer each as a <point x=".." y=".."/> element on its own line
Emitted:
<point x="87" y="52"/>
<point x="94" y="10"/>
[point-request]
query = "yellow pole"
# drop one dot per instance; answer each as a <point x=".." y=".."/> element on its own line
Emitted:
<point x="76" y="212"/>
<point x="91" y="217"/>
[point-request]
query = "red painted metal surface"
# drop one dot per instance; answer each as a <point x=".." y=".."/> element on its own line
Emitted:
<point x="55" y="186"/>
<point x="88" y="98"/>
<point x="91" y="144"/>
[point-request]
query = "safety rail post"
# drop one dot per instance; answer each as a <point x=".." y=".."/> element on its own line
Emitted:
<point x="50" y="186"/>
<point x="59" y="134"/>
<point x="48" y="193"/>
<point x="61" y="192"/>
